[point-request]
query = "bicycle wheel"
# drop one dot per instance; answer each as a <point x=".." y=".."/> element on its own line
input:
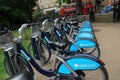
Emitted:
<point x="43" y="50"/>
<point x="7" y="68"/>
<point x="99" y="74"/>
<point x="19" y="64"/>
<point x="95" y="51"/>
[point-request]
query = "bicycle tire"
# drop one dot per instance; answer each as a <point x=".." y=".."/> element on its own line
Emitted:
<point x="42" y="49"/>
<point x="88" y="75"/>
<point x="95" y="51"/>
<point x="7" y="68"/>
<point x="22" y="65"/>
<point x="85" y="75"/>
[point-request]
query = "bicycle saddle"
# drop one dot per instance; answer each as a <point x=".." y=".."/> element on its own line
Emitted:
<point x="23" y="75"/>
<point x="58" y="45"/>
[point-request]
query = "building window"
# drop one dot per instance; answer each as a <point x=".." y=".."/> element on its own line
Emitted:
<point x="41" y="6"/>
<point x="46" y="5"/>
<point x="51" y="4"/>
<point x="41" y="1"/>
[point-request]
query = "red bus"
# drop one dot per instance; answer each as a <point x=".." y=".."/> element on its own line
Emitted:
<point x="71" y="7"/>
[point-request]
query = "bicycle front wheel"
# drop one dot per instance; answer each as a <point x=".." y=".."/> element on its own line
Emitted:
<point x="99" y="74"/>
<point x="44" y="51"/>
<point x="18" y="64"/>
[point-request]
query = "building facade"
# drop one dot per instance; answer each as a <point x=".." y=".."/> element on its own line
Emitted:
<point x="44" y="4"/>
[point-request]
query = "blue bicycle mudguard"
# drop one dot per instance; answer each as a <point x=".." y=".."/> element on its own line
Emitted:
<point x="87" y="22"/>
<point x="85" y="29"/>
<point x="79" y="63"/>
<point x="82" y="44"/>
<point x="84" y="35"/>
<point x="86" y="25"/>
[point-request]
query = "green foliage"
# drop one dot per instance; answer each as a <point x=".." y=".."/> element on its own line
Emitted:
<point x="3" y="74"/>
<point x="36" y="14"/>
<point x="15" y="11"/>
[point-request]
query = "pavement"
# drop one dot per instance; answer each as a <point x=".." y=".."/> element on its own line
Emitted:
<point x="108" y="36"/>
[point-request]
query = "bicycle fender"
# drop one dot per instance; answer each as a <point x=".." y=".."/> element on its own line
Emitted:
<point x="82" y="44"/>
<point x="79" y="63"/>
<point x="84" y="35"/>
<point x="85" y="29"/>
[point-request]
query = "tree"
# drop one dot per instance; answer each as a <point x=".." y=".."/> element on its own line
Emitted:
<point x="16" y="11"/>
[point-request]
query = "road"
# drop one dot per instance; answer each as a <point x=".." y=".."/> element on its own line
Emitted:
<point x="108" y="36"/>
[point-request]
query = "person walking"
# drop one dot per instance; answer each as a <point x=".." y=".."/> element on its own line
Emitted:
<point x="91" y="15"/>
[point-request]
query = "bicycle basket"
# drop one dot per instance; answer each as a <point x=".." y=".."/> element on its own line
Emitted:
<point x="35" y="29"/>
<point x="6" y="40"/>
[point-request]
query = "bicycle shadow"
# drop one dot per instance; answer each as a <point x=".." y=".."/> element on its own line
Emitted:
<point x="97" y="30"/>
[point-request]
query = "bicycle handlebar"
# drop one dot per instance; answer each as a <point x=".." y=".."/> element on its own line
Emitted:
<point x="56" y="21"/>
<point x="20" y="30"/>
<point x="44" y="23"/>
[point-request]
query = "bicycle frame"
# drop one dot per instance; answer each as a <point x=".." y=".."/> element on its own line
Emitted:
<point x="34" y="41"/>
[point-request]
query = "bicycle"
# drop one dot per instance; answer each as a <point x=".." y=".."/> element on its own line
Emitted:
<point x="37" y="47"/>
<point x="12" y="60"/>
<point x="87" y="41"/>
<point x="73" y="45"/>
<point x="71" y="66"/>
